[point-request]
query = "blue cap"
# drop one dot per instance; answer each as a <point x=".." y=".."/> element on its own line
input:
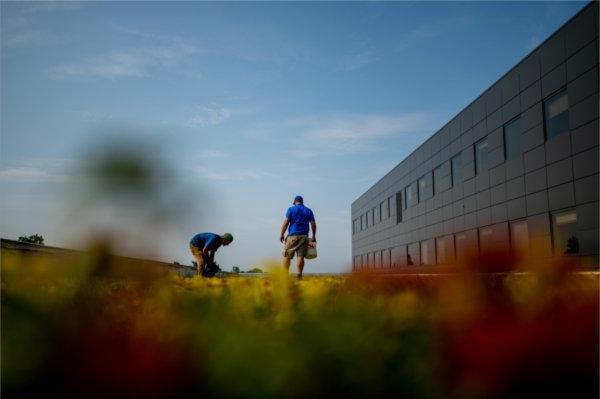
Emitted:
<point x="299" y="199"/>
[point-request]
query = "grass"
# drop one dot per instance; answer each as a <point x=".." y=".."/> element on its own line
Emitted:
<point x="87" y="326"/>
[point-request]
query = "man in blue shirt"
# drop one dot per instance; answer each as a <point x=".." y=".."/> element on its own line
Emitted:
<point x="204" y="245"/>
<point x="297" y="219"/>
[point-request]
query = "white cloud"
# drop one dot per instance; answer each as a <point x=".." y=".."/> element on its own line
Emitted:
<point x="208" y="116"/>
<point x="18" y="31"/>
<point x="49" y="6"/>
<point x="155" y="52"/>
<point x="425" y="33"/>
<point x="356" y="61"/>
<point x="211" y="153"/>
<point x="353" y="133"/>
<point x="232" y="174"/>
<point x="29" y="174"/>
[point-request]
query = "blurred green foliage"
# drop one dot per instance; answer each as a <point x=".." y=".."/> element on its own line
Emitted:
<point x="94" y="327"/>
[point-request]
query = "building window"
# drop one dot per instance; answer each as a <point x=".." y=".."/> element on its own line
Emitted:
<point x="399" y="207"/>
<point x="456" y="166"/>
<point x="385" y="258"/>
<point x="486" y="239"/>
<point x="442" y="179"/>
<point x="481" y="156"/>
<point x="556" y="114"/>
<point x="445" y="249"/>
<point x="437" y="180"/>
<point x="564" y="230"/>
<point x="410" y="196"/>
<point x="412" y="254"/>
<point x="425" y="187"/>
<point x="513" y="146"/>
<point x="428" y="252"/>
<point x="372" y="213"/>
<point x="377" y="216"/>
<point x="385" y="209"/>
<point x="519" y="237"/>
<point x="389" y="201"/>
<point x="363" y="222"/>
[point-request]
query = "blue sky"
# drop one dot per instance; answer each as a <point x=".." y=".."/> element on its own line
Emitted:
<point x="248" y="104"/>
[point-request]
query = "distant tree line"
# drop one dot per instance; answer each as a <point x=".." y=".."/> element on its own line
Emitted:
<point x="236" y="269"/>
<point x="33" y="239"/>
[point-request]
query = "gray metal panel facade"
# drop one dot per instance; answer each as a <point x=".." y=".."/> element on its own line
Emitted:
<point x="551" y="173"/>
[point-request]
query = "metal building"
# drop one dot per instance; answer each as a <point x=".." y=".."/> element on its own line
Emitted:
<point x="516" y="169"/>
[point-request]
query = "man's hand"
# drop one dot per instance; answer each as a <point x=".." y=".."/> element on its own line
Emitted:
<point x="284" y="227"/>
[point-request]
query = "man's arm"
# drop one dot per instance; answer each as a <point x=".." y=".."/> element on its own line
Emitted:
<point x="206" y="250"/>
<point x="313" y="225"/>
<point x="284" y="226"/>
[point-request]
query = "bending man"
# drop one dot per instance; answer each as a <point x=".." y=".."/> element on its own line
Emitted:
<point x="205" y="245"/>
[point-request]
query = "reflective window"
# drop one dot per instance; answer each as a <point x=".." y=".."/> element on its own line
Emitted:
<point x="513" y="146"/>
<point x="425" y="187"/>
<point x="412" y="254"/>
<point x="396" y="255"/>
<point x="456" y="166"/>
<point x="428" y="252"/>
<point x="385" y="211"/>
<point x="385" y="258"/>
<point x="556" y="114"/>
<point x="486" y="239"/>
<point x="445" y="249"/>
<point x="410" y="194"/>
<point x="519" y="237"/>
<point x="564" y="230"/>
<point x="481" y="156"/>
<point x="399" y="207"/>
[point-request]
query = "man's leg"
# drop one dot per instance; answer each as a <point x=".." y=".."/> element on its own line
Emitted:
<point x="199" y="260"/>
<point x="286" y="263"/>
<point x="200" y="265"/>
<point x="300" y="265"/>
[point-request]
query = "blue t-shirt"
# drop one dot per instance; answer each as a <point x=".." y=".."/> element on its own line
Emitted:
<point x="209" y="241"/>
<point x="299" y="217"/>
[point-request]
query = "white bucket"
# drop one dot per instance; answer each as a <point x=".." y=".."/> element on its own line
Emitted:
<point x="311" y="252"/>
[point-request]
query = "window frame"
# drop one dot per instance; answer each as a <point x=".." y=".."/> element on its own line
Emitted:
<point x="553" y="229"/>
<point x="399" y="208"/>
<point x="545" y="101"/>
<point x="424" y="178"/>
<point x="504" y="137"/>
<point x="475" y="158"/>
<point x="452" y="168"/>
<point x="511" y="234"/>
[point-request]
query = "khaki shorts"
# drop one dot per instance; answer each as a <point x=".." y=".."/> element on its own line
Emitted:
<point x="295" y="245"/>
<point x="197" y="253"/>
